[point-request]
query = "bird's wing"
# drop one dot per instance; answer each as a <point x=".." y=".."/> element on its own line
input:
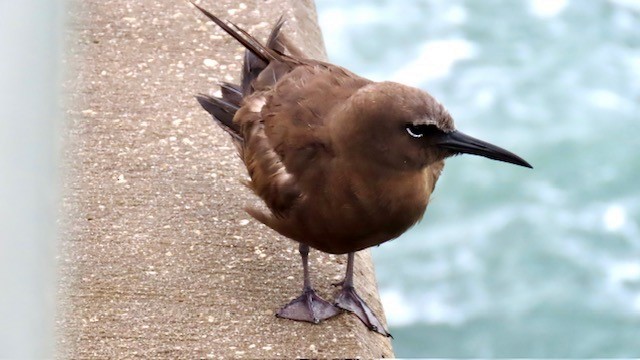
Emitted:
<point x="299" y="110"/>
<point x="280" y="122"/>
<point x="285" y="126"/>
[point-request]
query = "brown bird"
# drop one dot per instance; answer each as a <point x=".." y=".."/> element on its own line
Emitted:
<point x="342" y="163"/>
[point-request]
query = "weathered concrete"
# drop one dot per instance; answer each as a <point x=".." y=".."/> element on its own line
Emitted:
<point x="158" y="259"/>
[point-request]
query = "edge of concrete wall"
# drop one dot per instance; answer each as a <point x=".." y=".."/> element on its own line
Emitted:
<point x="158" y="260"/>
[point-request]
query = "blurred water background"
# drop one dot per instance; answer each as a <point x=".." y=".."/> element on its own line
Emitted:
<point x="511" y="262"/>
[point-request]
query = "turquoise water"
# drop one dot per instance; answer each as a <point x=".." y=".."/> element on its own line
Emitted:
<point x="511" y="262"/>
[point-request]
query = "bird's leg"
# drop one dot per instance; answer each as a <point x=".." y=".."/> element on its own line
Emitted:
<point x="349" y="300"/>
<point x="308" y="306"/>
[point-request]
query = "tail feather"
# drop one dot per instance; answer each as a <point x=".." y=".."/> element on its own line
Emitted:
<point x="274" y="42"/>
<point x="280" y="43"/>
<point x="257" y="59"/>
<point x="248" y="41"/>
<point x="223" y="112"/>
<point x="232" y="93"/>
<point x="254" y="65"/>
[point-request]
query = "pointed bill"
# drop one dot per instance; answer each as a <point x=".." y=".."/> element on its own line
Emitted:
<point x="459" y="142"/>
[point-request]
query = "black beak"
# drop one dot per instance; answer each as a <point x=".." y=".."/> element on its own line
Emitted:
<point x="459" y="142"/>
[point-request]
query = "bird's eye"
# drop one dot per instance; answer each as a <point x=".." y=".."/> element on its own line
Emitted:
<point x="415" y="131"/>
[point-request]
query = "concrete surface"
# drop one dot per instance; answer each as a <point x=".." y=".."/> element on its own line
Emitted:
<point x="158" y="260"/>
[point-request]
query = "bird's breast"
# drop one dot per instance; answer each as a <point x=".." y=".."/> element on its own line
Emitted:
<point x="360" y="212"/>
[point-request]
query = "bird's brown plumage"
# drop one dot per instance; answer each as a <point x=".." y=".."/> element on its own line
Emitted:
<point x="355" y="187"/>
<point x="327" y="151"/>
<point x="341" y="162"/>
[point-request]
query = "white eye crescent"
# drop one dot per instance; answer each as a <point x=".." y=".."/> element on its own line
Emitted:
<point x="412" y="130"/>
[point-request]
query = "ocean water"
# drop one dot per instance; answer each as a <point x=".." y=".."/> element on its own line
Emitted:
<point x="512" y="262"/>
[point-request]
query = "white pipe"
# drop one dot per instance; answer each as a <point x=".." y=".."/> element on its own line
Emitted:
<point x="30" y="45"/>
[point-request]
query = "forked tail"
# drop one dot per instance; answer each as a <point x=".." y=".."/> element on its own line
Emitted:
<point x="257" y="58"/>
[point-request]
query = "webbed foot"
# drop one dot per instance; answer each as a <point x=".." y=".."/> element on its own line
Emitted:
<point x="349" y="300"/>
<point x="308" y="307"/>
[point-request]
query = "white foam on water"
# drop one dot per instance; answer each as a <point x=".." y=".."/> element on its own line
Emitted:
<point x="615" y="280"/>
<point x="633" y="64"/>
<point x="547" y="8"/>
<point x="439" y="311"/>
<point x="605" y="99"/>
<point x="630" y="4"/>
<point x="624" y="272"/>
<point x="435" y="60"/>
<point x="614" y="217"/>
<point x="547" y="192"/>
<point x="335" y="18"/>
<point x="455" y="15"/>
<point x="480" y="224"/>
<point x="432" y="309"/>
<point x="398" y="311"/>
<point x="636" y="304"/>
<point x="335" y="23"/>
<point x="485" y="98"/>
<point x="622" y="278"/>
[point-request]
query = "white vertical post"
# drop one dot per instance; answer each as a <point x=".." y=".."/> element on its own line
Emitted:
<point x="30" y="43"/>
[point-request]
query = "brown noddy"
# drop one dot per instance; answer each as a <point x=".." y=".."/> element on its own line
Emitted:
<point x="342" y="163"/>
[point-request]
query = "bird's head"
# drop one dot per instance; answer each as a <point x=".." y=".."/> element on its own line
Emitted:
<point x="406" y="128"/>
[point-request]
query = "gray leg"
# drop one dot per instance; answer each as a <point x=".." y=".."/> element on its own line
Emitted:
<point x="349" y="300"/>
<point x="308" y="306"/>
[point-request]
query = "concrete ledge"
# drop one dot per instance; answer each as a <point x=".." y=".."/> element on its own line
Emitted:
<point x="158" y="259"/>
